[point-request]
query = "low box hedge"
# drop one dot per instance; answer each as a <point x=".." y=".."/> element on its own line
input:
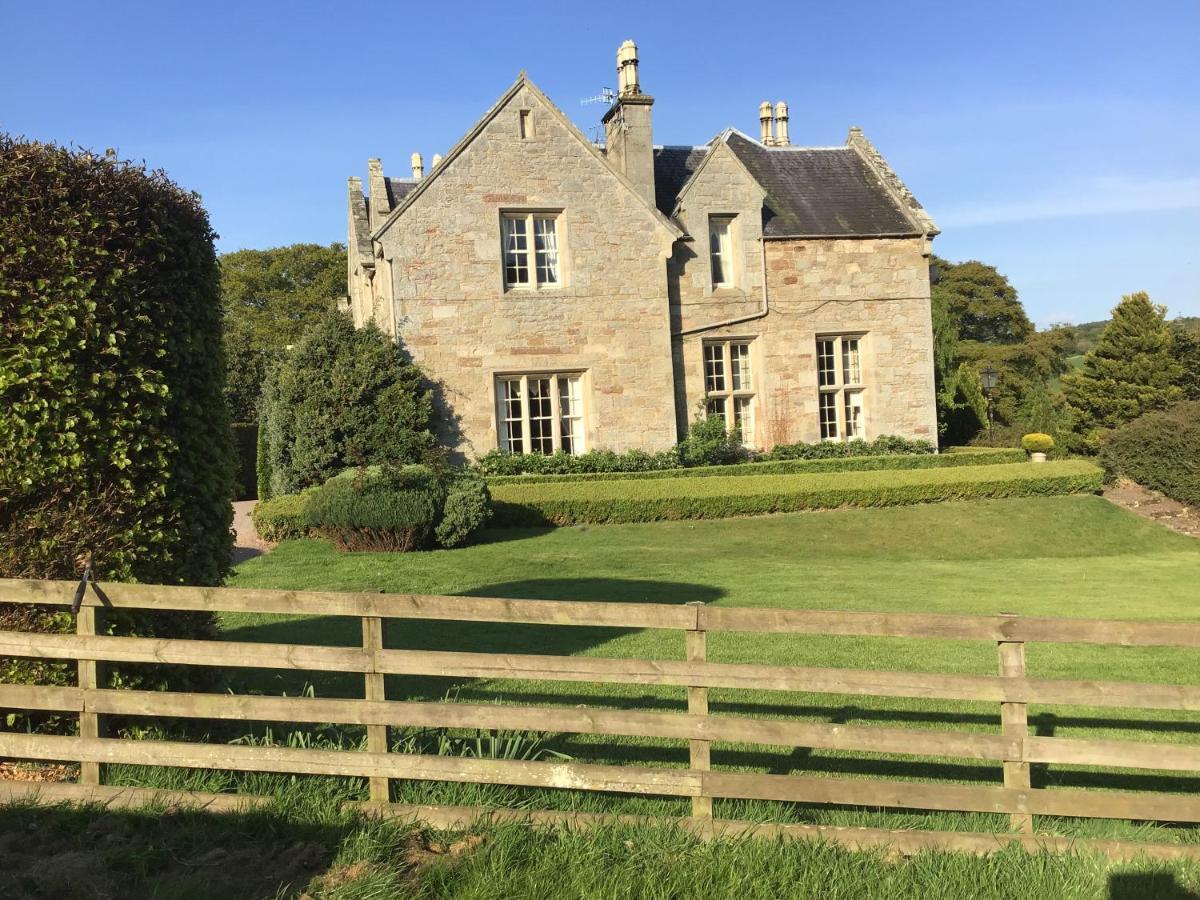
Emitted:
<point x="984" y="457"/>
<point x="650" y="500"/>
<point x="281" y="518"/>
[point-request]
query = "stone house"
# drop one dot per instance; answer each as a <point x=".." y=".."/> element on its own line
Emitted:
<point x="570" y="296"/>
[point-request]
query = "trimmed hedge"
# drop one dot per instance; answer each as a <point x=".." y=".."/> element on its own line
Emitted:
<point x="985" y="457"/>
<point x="1160" y="450"/>
<point x="705" y="441"/>
<point x="884" y="445"/>
<point x="281" y="518"/>
<point x="716" y="497"/>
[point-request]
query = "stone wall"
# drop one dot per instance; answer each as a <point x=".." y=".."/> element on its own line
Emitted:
<point x="875" y="287"/>
<point x="609" y="319"/>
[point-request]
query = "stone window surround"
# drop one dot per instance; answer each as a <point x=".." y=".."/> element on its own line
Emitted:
<point x="841" y="389"/>
<point x="728" y="395"/>
<point x="583" y="379"/>
<point x="729" y="259"/>
<point x="560" y="231"/>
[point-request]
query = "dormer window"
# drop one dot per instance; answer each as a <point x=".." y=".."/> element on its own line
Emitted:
<point x="720" y="250"/>
<point x="527" y="266"/>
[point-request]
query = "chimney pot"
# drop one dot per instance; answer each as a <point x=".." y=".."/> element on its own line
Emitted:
<point x="764" y="122"/>
<point x="627" y="69"/>
<point x="418" y="166"/>
<point x="781" y="124"/>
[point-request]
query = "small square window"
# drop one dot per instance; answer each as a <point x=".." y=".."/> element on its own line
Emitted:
<point x="525" y="266"/>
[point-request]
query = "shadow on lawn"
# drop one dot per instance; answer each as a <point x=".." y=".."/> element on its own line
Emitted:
<point x="81" y="851"/>
<point x="437" y="634"/>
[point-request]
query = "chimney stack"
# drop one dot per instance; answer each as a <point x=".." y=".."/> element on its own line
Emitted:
<point x="437" y="158"/>
<point x="781" y="124"/>
<point x="628" y="135"/>
<point x="418" y="166"/>
<point x="764" y="123"/>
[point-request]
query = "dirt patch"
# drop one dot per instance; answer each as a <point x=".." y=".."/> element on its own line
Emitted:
<point x="247" y="544"/>
<point x="1152" y="505"/>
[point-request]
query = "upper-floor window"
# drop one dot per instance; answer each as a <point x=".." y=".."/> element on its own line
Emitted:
<point x="841" y="387"/>
<point x="531" y="251"/>
<point x="729" y="386"/>
<point x="720" y="250"/>
<point x="540" y="413"/>
<point x="525" y="123"/>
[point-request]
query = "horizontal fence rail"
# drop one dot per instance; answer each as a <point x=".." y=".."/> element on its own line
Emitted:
<point x="1011" y="746"/>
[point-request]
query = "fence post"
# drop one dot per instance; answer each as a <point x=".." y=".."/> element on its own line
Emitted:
<point x="87" y="621"/>
<point x="1014" y="723"/>
<point x="699" y="751"/>
<point x="375" y="689"/>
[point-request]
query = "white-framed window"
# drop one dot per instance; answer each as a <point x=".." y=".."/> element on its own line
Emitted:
<point x="729" y="385"/>
<point x="841" y="387"/>
<point x="720" y="250"/>
<point x="540" y="413"/>
<point x="531" y="250"/>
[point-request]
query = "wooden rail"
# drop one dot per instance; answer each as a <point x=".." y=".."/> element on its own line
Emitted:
<point x="1010" y="746"/>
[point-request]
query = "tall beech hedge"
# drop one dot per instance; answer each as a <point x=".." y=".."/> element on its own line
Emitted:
<point x="114" y="435"/>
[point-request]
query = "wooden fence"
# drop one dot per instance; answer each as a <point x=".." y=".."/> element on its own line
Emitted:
<point x="1012" y="746"/>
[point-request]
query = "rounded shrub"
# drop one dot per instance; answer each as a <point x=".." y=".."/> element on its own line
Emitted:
<point x="1037" y="443"/>
<point x="390" y="509"/>
<point x="1160" y="450"/>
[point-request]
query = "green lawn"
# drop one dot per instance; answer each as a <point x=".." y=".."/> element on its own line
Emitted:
<point x="1059" y="556"/>
<point x="1063" y="556"/>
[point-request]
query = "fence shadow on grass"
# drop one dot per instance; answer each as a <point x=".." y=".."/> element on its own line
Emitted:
<point x="480" y="637"/>
<point x="1147" y="886"/>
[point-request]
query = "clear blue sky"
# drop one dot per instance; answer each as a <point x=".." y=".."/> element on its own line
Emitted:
<point x="1059" y="141"/>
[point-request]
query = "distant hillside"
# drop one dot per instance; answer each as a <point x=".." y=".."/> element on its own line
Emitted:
<point x="1087" y="333"/>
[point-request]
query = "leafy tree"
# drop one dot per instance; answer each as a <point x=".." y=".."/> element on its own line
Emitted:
<point x="269" y="298"/>
<point x="961" y="407"/>
<point x="341" y="397"/>
<point x="1131" y="370"/>
<point x="980" y="301"/>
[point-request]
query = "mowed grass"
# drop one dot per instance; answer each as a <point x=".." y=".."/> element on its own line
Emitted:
<point x="1061" y="556"/>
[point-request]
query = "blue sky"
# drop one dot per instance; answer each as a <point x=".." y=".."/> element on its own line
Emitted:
<point x="1059" y="141"/>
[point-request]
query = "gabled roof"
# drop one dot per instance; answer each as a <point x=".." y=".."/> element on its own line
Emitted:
<point x="457" y="150"/>
<point x="397" y="189"/>
<point x="673" y="168"/>
<point x="820" y="192"/>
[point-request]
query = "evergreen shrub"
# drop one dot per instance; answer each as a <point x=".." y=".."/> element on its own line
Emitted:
<point x="1160" y="450"/>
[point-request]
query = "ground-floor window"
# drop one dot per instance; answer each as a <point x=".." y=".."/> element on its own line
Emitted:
<point x="841" y="387"/>
<point x="540" y="413"/>
<point x="729" y="385"/>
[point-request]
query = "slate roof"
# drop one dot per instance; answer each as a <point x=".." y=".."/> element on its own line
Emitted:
<point x="397" y="189"/>
<point x="673" y="166"/>
<point x="823" y="191"/>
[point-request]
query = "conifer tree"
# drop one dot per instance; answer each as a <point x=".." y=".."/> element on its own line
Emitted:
<point x="1132" y="369"/>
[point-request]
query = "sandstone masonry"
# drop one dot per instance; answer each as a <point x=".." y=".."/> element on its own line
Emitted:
<point x="565" y="298"/>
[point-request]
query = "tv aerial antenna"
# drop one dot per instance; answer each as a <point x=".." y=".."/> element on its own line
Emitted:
<point x="606" y="96"/>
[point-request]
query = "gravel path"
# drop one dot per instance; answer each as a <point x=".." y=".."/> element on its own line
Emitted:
<point x="247" y="544"/>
